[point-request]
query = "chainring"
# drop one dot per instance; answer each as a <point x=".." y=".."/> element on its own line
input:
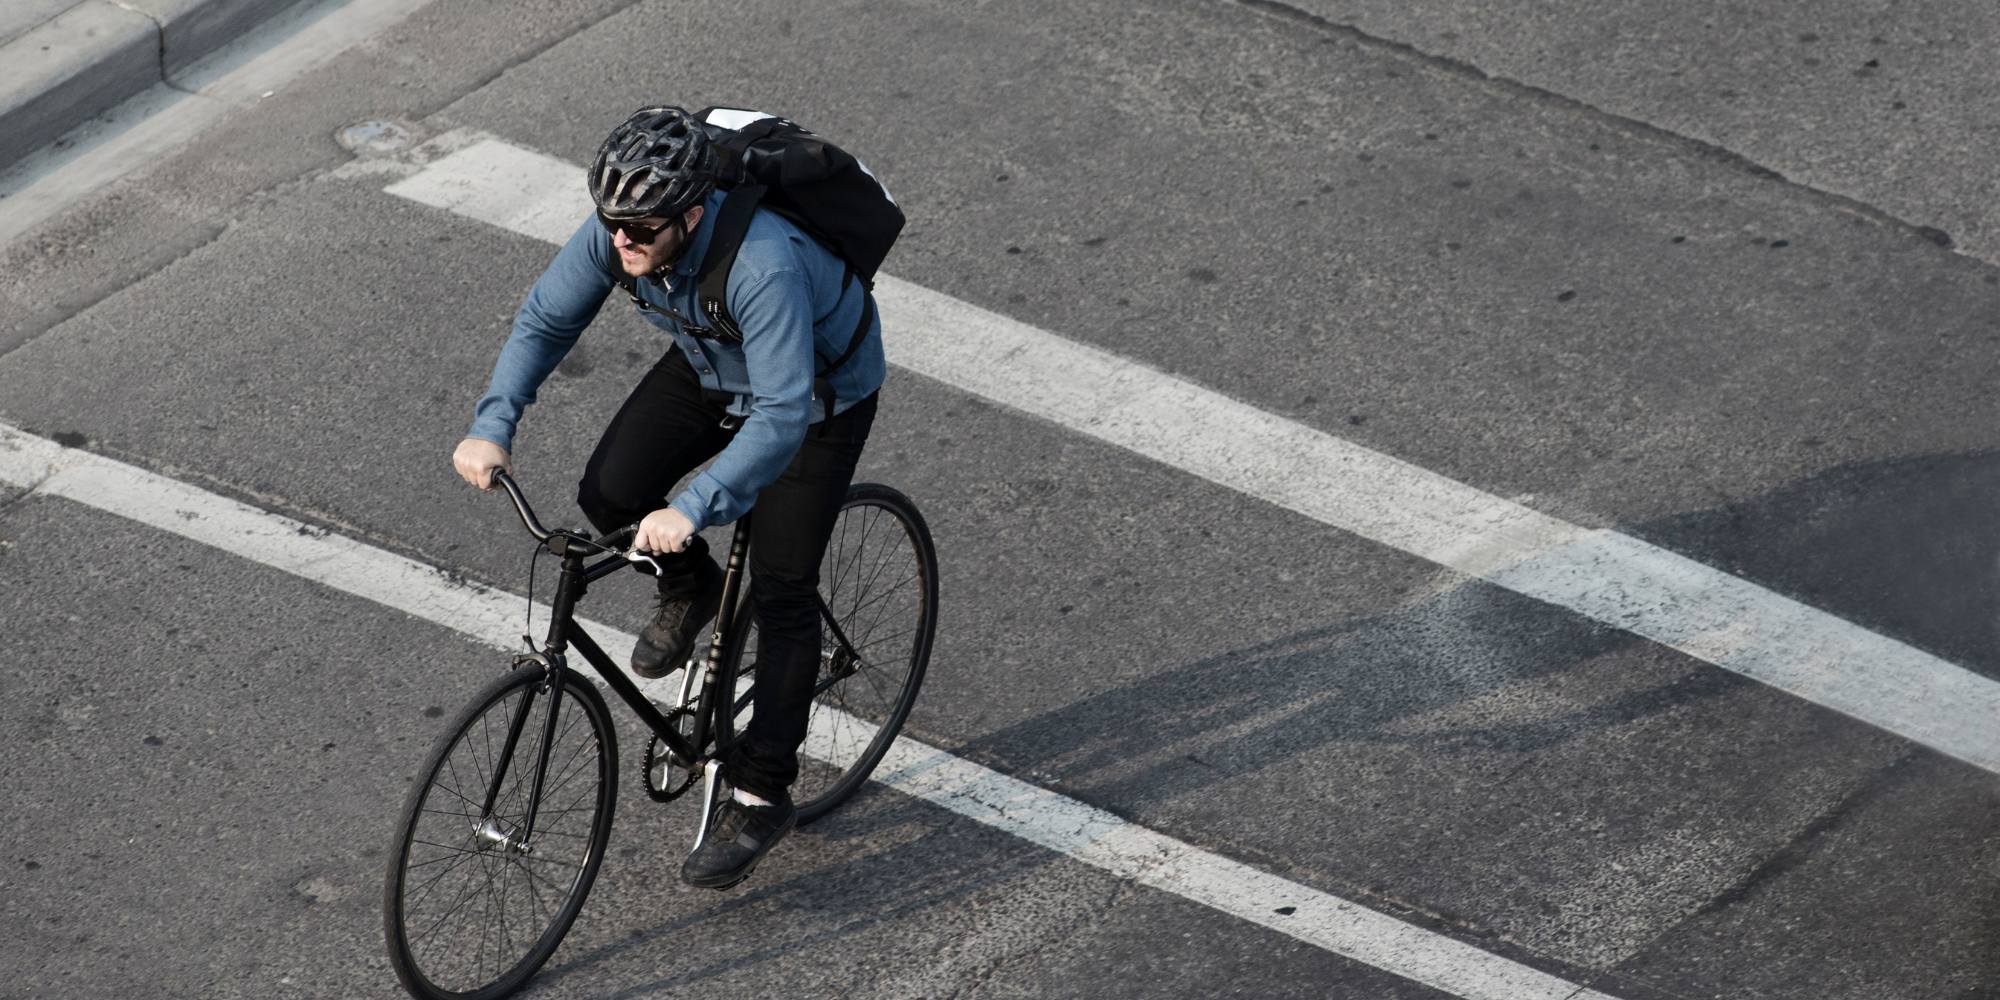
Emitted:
<point x="675" y="777"/>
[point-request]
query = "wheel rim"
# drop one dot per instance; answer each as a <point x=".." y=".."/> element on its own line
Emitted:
<point x="474" y="907"/>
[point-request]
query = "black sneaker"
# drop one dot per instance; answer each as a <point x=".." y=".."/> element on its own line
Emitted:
<point x="663" y="646"/>
<point x="741" y="835"/>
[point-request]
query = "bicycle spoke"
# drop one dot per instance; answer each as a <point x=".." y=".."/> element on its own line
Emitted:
<point x="885" y="595"/>
<point x="463" y="896"/>
<point x="435" y="879"/>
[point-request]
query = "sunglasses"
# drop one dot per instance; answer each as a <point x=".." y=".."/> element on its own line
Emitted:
<point x="641" y="235"/>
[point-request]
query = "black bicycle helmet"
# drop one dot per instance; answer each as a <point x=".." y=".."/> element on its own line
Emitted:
<point x="658" y="164"/>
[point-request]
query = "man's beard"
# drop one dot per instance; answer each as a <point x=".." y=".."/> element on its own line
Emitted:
<point x="673" y="259"/>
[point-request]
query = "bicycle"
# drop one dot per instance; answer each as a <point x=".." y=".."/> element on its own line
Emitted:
<point x="501" y="839"/>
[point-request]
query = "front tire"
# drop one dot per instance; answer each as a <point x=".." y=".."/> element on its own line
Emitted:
<point x="469" y="910"/>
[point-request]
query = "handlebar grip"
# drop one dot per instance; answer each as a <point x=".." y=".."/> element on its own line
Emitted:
<point x="617" y="539"/>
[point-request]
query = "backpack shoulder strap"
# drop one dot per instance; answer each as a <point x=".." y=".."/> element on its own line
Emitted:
<point x="861" y="328"/>
<point x="732" y="224"/>
<point x="823" y="386"/>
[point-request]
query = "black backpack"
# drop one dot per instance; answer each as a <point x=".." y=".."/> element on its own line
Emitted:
<point x="774" y="163"/>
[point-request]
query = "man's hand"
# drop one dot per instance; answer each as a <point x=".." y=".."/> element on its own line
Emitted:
<point x="476" y="459"/>
<point x="664" y="530"/>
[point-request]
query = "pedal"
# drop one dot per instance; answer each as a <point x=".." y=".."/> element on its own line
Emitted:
<point x="709" y="784"/>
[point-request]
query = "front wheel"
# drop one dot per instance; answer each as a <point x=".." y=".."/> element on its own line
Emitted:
<point x="878" y="588"/>
<point x="477" y="896"/>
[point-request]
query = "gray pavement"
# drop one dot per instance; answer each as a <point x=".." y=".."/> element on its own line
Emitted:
<point x="1885" y="104"/>
<point x="1311" y="221"/>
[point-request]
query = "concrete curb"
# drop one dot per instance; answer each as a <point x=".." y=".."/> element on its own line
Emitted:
<point x="100" y="52"/>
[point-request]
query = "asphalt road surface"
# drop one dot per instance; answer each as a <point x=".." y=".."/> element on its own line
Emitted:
<point x="1506" y="243"/>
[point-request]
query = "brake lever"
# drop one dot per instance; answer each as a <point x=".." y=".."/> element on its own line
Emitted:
<point x="636" y="556"/>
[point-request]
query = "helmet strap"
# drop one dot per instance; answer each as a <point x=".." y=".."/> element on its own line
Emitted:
<point x="680" y="253"/>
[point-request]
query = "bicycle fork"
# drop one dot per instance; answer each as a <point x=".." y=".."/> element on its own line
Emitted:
<point x="488" y="826"/>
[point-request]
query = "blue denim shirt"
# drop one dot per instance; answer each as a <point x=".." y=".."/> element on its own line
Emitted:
<point x="781" y="284"/>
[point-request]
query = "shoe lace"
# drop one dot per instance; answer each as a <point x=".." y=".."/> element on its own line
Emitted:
<point x="734" y="819"/>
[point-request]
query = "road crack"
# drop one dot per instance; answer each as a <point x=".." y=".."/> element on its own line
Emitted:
<point x="1617" y="124"/>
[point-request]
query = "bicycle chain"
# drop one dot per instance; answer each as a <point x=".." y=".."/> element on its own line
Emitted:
<point x="648" y="759"/>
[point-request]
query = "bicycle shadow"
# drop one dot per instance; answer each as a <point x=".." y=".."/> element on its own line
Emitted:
<point x="1906" y="547"/>
<point x="1243" y="711"/>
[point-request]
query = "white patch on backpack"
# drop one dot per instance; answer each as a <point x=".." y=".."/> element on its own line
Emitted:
<point x="735" y="118"/>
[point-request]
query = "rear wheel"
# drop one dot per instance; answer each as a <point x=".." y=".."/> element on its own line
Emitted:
<point x="475" y="902"/>
<point x="878" y="616"/>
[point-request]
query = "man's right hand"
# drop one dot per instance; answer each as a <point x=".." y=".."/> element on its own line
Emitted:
<point x="476" y="458"/>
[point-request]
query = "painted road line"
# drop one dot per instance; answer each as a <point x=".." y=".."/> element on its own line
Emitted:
<point x="516" y="189"/>
<point x="1607" y="576"/>
<point x="1604" y="575"/>
<point x="1038" y="815"/>
<point x="213" y="89"/>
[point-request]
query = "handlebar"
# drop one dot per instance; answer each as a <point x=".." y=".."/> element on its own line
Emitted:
<point x="615" y="542"/>
<point x="521" y="505"/>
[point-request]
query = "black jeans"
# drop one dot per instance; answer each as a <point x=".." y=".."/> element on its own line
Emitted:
<point x="664" y="430"/>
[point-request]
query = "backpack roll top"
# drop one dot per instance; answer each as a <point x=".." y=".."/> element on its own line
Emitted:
<point x="815" y="184"/>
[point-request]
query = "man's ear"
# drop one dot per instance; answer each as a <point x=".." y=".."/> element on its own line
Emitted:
<point x="693" y="217"/>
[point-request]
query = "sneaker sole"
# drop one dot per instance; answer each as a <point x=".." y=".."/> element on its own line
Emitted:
<point x="652" y="674"/>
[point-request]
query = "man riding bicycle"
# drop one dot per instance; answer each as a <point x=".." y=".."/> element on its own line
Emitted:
<point x="758" y="407"/>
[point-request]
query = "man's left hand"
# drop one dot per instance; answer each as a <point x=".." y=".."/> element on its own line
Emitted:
<point x="664" y="530"/>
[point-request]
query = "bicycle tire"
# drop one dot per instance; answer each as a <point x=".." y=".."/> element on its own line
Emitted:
<point x="855" y="719"/>
<point x="439" y="846"/>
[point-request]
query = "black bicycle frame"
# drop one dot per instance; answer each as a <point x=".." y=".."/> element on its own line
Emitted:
<point x="574" y="549"/>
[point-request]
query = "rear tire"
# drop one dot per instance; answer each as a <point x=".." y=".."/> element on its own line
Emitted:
<point x="467" y="915"/>
<point x="878" y="579"/>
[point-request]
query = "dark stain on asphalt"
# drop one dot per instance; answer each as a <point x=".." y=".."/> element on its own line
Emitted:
<point x="1201" y="274"/>
<point x="1566" y="296"/>
<point x="70" y="439"/>
<point x="1935" y="235"/>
